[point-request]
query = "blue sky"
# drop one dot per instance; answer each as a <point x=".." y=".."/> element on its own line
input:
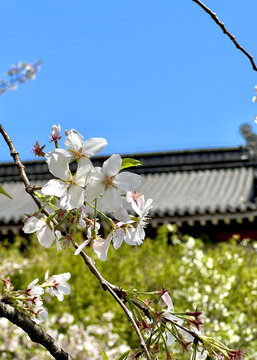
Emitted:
<point x="146" y="75"/>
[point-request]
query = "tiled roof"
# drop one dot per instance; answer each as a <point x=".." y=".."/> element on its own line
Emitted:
<point x="183" y="184"/>
<point x="200" y="192"/>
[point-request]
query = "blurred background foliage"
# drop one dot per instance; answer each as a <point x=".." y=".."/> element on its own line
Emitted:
<point x="220" y="279"/>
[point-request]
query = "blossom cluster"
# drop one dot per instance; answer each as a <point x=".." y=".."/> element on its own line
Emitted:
<point x="78" y="197"/>
<point x="29" y="301"/>
<point x="166" y="327"/>
<point x="19" y="74"/>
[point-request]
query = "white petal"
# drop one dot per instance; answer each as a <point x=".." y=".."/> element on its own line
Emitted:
<point x="55" y="187"/>
<point x="32" y="283"/>
<point x="170" y="339"/>
<point x="85" y="168"/>
<point x="58" y="236"/>
<point x="74" y="140"/>
<point x="138" y="235"/>
<point x="121" y="214"/>
<point x="118" y="238"/>
<point x="81" y="247"/>
<point x="64" y="288"/>
<point x="130" y="237"/>
<point x="136" y="200"/>
<point x="101" y="247"/>
<point x="75" y="197"/>
<point x="201" y="355"/>
<point x="147" y="207"/>
<point x="111" y="166"/>
<point x="167" y="300"/>
<point x="57" y="161"/>
<point x="46" y="236"/>
<point x="111" y="200"/>
<point x="186" y="335"/>
<point x="93" y="190"/>
<point x="173" y="318"/>
<point x="93" y="146"/>
<point x="127" y="181"/>
<point x="46" y="275"/>
<point x="60" y="278"/>
<point x="33" y="224"/>
<point x="58" y="294"/>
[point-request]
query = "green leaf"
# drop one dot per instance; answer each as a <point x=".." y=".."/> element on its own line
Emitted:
<point x="105" y="357"/>
<point x="123" y="356"/>
<point x="127" y="162"/>
<point x="5" y="193"/>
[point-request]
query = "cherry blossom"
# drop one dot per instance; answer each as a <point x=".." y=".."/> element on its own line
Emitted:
<point x="136" y="200"/>
<point x="57" y="285"/>
<point x="142" y="210"/>
<point x="44" y="231"/>
<point x="33" y="289"/>
<point x="70" y="188"/>
<point x="110" y="184"/>
<point x="123" y="232"/>
<point x="55" y="133"/>
<point x="77" y="149"/>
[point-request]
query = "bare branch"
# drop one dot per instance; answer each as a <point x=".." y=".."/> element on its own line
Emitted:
<point x="35" y="332"/>
<point x="115" y="291"/>
<point x="226" y="32"/>
<point x="16" y="158"/>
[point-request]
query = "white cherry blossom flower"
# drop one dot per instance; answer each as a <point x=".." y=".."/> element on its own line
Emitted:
<point x="110" y="184"/>
<point x="34" y="290"/>
<point x="136" y="200"/>
<point x="70" y="188"/>
<point x="77" y="149"/>
<point x="166" y="301"/>
<point x="123" y="232"/>
<point x="142" y="211"/>
<point x="44" y="231"/>
<point x="57" y="285"/>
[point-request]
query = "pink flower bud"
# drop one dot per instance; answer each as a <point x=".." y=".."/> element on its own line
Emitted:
<point x="55" y="133"/>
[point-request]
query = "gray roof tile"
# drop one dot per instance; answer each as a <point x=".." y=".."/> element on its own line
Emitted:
<point x="178" y="193"/>
<point x="199" y="192"/>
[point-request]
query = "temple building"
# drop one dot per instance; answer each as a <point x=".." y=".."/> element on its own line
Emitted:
<point x="210" y="192"/>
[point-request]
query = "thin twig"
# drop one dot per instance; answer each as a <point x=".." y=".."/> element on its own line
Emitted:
<point x="226" y="32"/>
<point x="115" y="291"/>
<point x="35" y="332"/>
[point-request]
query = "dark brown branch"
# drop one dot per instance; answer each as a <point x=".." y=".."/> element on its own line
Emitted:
<point x="16" y="158"/>
<point x="226" y="32"/>
<point x="35" y="332"/>
<point x="112" y="289"/>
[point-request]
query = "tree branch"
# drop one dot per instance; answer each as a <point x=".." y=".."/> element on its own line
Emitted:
<point x="226" y="32"/>
<point x="115" y="291"/>
<point x="16" y="158"/>
<point x="35" y="332"/>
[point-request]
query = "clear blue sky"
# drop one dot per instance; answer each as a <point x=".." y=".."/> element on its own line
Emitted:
<point x="146" y="75"/>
